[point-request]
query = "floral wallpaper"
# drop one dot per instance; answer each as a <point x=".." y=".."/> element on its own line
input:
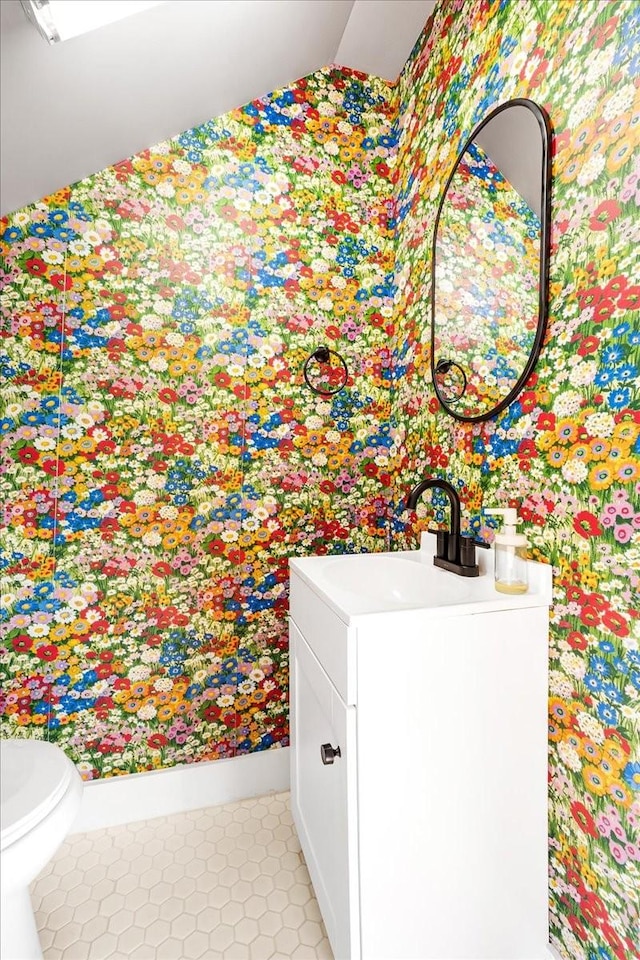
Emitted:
<point x="566" y="451"/>
<point x="486" y="229"/>
<point x="163" y="456"/>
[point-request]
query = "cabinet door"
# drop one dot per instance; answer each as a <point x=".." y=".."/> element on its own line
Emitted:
<point x="323" y="795"/>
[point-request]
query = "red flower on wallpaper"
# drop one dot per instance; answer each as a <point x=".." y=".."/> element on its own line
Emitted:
<point x="22" y="643"/>
<point x="61" y="281"/>
<point x="578" y="928"/>
<point x="36" y="266"/>
<point x="28" y="454"/>
<point x="157" y="741"/>
<point x="615" y="622"/>
<point x="593" y="909"/>
<point x="584" y="819"/>
<point x="528" y="401"/>
<point x="630" y="298"/>
<point x="616" y="286"/>
<point x="174" y="222"/>
<point x="603" y="310"/>
<point x="588" y="345"/>
<point x="587" y="525"/>
<point x="604" y="214"/>
<point x="590" y="616"/>
<point x="546" y="421"/>
<point x="216" y="547"/>
<point x="167" y="395"/>
<point x="47" y="651"/>
<point x="53" y="467"/>
<point x="577" y="640"/>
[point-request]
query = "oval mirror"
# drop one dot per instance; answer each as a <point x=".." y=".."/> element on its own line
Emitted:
<point x="490" y="263"/>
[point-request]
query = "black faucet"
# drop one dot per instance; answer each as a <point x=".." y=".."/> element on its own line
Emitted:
<point x="453" y="551"/>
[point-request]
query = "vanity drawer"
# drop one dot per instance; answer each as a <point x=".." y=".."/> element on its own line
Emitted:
<point x="330" y="639"/>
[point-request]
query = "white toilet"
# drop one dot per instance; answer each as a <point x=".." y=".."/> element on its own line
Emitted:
<point x="40" y="793"/>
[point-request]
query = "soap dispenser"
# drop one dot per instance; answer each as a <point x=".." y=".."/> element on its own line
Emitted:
<point x="510" y="554"/>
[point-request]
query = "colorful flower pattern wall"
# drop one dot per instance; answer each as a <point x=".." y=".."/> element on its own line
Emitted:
<point x="566" y="452"/>
<point x="485" y="229"/>
<point x="163" y="456"/>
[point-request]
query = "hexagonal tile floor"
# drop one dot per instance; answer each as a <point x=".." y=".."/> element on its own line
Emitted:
<point x="224" y="883"/>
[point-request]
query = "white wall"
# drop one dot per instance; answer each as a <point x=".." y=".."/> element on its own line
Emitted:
<point x="513" y="141"/>
<point x="73" y="108"/>
<point x="143" y="796"/>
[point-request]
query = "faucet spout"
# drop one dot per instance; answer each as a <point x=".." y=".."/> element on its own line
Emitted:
<point x="454" y="501"/>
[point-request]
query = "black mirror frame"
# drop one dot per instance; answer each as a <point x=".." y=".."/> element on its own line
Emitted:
<point x="545" y="242"/>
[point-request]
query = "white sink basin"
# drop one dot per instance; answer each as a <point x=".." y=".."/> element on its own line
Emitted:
<point x="392" y="581"/>
<point x="355" y="585"/>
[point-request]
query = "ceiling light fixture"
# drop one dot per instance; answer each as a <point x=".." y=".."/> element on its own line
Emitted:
<point x="58" y="20"/>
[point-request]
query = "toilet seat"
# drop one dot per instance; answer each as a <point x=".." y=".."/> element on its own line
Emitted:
<point x="35" y="776"/>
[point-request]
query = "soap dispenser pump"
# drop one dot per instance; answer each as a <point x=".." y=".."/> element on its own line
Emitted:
<point x="510" y="554"/>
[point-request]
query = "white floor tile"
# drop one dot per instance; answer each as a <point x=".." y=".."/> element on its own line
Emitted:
<point x="225" y="883"/>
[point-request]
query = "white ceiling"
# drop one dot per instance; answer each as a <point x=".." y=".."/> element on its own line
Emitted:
<point x="380" y="35"/>
<point x="71" y="109"/>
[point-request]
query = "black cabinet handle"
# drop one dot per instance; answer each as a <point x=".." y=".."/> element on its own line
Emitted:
<point x="329" y="753"/>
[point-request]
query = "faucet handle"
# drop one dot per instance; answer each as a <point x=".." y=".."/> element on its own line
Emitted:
<point x="442" y="542"/>
<point x="468" y="550"/>
<point x="480" y="543"/>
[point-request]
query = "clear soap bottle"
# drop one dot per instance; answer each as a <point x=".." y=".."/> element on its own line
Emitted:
<point x="510" y="554"/>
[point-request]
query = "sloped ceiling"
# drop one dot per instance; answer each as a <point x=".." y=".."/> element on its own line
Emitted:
<point x="70" y="109"/>
<point x="380" y="35"/>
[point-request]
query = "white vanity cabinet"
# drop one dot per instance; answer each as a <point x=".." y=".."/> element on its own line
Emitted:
<point x="426" y="835"/>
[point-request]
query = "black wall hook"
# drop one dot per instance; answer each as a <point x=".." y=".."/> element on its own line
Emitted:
<point x="323" y="355"/>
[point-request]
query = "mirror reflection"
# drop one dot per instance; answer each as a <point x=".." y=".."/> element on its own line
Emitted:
<point x="489" y="264"/>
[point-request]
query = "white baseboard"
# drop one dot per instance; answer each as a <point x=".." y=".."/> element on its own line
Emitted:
<point x="159" y="793"/>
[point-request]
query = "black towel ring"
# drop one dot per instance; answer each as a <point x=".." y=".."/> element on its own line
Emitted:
<point x="323" y="355"/>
